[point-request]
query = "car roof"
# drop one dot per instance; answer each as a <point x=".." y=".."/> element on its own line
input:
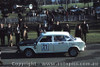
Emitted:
<point x="55" y="33"/>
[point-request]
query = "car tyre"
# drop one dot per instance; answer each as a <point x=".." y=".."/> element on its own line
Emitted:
<point x="73" y="52"/>
<point x="28" y="52"/>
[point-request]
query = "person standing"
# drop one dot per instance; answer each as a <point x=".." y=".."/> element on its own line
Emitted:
<point x="2" y="34"/>
<point x="85" y="28"/>
<point x="20" y="15"/>
<point x="9" y="35"/>
<point x="50" y="26"/>
<point x="67" y="28"/>
<point x="45" y="25"/>
<point x="39" y="30"/>
<point x="58" y="26"/>
<point x="17" y="34"/>
<point x="78" y="31"/>
<point x="21" y="26"/>
<point x="25" y="30"/>
<point x="47" y="16"/>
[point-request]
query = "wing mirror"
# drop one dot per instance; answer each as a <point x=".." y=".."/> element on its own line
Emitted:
<point x="35" y="44"/>
<point x="69" y="39"/>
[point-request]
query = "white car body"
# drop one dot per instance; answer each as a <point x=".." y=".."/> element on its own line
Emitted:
<point x="54" y="46"/>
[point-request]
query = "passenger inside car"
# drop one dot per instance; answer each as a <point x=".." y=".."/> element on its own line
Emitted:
<point x="59" y="38"/>
<point x="46" y="39"/>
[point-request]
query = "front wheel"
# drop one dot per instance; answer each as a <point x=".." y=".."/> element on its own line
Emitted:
<point x="28" y="53"/>
<point x="73" y="52"/>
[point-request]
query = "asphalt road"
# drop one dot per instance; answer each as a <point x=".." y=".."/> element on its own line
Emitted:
<point x="89" y="58"/>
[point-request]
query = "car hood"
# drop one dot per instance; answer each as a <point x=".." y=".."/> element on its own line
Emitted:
<point x="78" y="39"/>
<point x="27" y="42"/>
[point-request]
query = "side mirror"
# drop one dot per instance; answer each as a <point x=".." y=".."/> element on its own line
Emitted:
<point x="35" y="44"/>
<point x="69" y="39"/>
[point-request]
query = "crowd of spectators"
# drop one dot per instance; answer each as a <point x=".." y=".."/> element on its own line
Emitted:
<point x="49" y="24"/>
<point x="19" y="30"/>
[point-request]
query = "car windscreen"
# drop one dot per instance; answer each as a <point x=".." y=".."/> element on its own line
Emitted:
<point x="72" y="37"/>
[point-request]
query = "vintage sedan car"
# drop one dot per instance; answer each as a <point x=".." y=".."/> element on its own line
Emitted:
<point x="52" y="42"/>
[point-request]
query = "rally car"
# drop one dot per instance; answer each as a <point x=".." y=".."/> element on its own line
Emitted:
<point x="52" y="42"/>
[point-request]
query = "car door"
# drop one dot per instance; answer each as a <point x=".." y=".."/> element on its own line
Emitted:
<point x="70" y="40"/>
<point x="45" y="45"/>
<point x="60" y="43"/>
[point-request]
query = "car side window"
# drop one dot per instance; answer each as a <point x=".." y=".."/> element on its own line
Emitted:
<point x="59" y="38"/>
<point x="46" y="39"/>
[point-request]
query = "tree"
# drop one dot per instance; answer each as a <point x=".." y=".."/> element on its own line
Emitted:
<point x="6" y="6"/>
<point x="85" y="1"/>
<point x="96" y="0"/>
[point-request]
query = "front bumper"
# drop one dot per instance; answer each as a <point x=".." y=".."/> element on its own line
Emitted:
<point x="83" y="49"/>
<point x="19" y="51"/>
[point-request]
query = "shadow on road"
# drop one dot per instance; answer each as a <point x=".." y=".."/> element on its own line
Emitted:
<point x="18" y="55"/>
<point x="80" y="57"/>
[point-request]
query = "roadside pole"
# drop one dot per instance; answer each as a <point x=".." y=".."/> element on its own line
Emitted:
<point x="66" y="4"/>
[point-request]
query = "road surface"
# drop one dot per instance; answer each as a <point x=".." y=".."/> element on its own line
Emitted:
<point x="89" y="58"/>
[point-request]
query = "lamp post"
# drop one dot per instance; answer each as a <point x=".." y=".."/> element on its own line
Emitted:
<point x="30" y="6"/>
<point x="66" y="4"/>
<point x="91" y="8"/>
<point x="44" y="2"/>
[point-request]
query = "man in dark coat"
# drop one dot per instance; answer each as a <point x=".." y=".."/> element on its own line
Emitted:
<point x="9" y="34"/>
<point x="84" y="30"/>
<point x="78" y="31"/>
<point x="51" y="25"/>
<point x="58" y="26"/>
<point x="17" y="34"/>
<point x="21" y="26"/>
<point x="49" y="17"/>
<point x="67" y="28"/>
<point x="2" y="34"/>
<point x="25" y="32"/>
<point x="39" y="30"/>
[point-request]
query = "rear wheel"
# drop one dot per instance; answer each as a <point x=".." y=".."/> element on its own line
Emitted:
<point x="28" y="52"/>
<point x="73" y="52"/>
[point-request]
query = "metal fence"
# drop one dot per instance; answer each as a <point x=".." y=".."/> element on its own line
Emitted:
<point x="42" y="18"/>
